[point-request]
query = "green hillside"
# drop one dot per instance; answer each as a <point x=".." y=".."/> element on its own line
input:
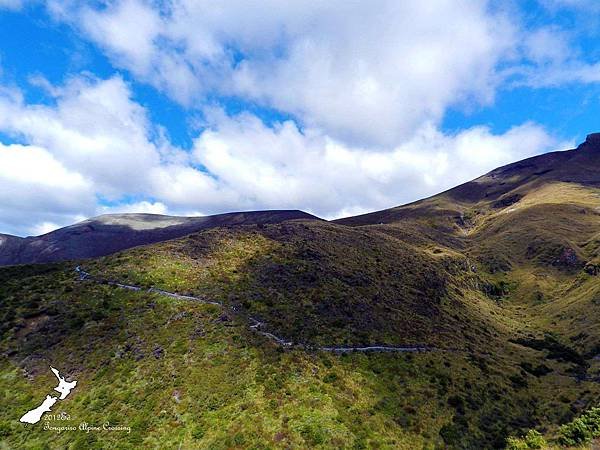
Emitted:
<point x="498" y="279"/>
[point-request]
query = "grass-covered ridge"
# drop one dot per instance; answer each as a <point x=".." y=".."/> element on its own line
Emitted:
<point x="500" y="277"/>
<point x="321" y="284"/>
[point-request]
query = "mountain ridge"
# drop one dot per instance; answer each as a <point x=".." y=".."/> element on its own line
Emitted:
<point x="109" y="233"/>
<point x="539" y="167"/>
<point x="489" y="187"/>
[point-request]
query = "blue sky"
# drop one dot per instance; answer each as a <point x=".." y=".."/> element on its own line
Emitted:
<point x="336" y="108"/>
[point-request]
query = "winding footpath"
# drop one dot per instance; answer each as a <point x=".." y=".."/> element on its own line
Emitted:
<point x="255" y="324"/>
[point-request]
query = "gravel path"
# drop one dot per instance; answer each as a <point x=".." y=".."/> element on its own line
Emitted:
<point x="255" y="324"/>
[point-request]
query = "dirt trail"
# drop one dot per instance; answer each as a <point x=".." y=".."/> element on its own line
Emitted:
<point x="256" y="324"/>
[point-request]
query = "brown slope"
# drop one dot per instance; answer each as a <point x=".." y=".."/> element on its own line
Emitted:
<point x="498" y="188"/>
<point x="110" y="233"/>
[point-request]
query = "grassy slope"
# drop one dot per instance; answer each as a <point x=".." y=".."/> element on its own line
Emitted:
<point x="316" y="282"/>
<point x="493" y="274"/>
<point x="212" y="384"/>
<point x="235" y="388"/>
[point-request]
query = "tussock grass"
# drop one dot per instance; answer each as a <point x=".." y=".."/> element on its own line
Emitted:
<point x="497" y="275"/>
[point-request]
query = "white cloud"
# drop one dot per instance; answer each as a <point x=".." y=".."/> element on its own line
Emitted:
<point x="574" y="72"/>
<point x="44" y="227"/>
<point x="30" y="164"/>
<point x="94" y="128"/>
<point x="363" y="72"/>
<point x="137" y="207"/>
<point x="35" y="186"/>
<point x="285" y="167"/>
<point x="134" y="42"/>
<point x="95" y="141"/>
<point x="548" y="45"/>
<point x="552" y="60"/>
<point x="374" y="75"/>
<point x="366" y="73"/>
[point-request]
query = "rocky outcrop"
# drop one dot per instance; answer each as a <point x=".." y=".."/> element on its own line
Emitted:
<point x="592" y="268"/>
<point x="567" y="258"/>
<point x="592" y="142"/>
<point x="507" y="200"/>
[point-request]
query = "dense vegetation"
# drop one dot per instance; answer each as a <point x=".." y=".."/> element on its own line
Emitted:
<point x="499" y="279"/>
<point x="183" y="373"/>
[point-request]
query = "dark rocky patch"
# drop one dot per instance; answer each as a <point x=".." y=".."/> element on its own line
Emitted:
<point x="507" y="200"/>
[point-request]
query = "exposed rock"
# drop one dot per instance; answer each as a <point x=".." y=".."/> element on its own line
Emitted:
<point x="508" y="200"/>
<point x="592" y="269"/>
<point x="197" y="333"/>
<point x="463" y="221"/>
<point x="592" y="142"/>
<point x="495" y="290"/>
<point x="177" y="316"/>
<point x="31" y="325"/>
<point x="158" y="352"/>
<point x="567" y="258"/>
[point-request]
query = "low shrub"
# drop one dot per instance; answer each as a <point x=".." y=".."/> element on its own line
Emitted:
<point x="532" y="440"/>
<point x="581" y="430"/>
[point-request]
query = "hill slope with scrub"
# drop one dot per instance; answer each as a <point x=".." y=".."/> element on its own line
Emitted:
<point x="496" y="280"/>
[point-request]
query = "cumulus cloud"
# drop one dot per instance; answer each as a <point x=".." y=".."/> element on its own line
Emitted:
<point x="95" y="142"/>
<point x="572" y="72"/>
<point x="551" y="60"/>
<point x="35" y="186"/>
<point x="366" y="87"/>
<point x="283" y="166"/>
<point x="94" y="127"/>
<point x="136" y="207"/>
<point x="548" y="45"/>
<point x="368" y="72"/>
<point x="554" y="54"/>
